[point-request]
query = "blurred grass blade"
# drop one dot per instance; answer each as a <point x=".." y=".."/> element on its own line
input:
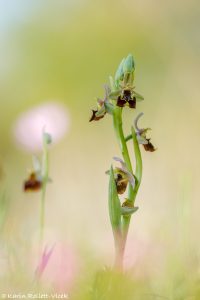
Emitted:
<point x="3" y="209"/>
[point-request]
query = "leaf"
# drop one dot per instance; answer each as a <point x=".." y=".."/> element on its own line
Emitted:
<point x="109" y="107"/>
<point x="114" y="203"/>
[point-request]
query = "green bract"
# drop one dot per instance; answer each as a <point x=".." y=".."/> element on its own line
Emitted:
<point x="114" y="203"/>
<point x="127" y="211"/>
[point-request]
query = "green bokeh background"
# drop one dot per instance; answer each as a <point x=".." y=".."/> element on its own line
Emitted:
<point x="65" y="50"/>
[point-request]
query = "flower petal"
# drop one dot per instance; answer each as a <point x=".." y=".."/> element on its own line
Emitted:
<point x="138" y="96"/>
<point x="136" y="121"/>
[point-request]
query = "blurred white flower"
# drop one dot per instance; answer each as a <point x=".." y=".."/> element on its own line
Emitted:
<point x="28" y="128"/>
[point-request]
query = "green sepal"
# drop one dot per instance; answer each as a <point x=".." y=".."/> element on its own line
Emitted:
<point x="109" y="107"/>
<point x="126" y="211"/>
<point x="115" y="94"/>
<point x="114" y="203"/>
<point x="112" y="84"/>
<point x="100" y="112"/>
<point x="138" y="96"/>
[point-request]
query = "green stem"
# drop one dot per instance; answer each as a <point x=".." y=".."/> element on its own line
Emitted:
<point x="45" y="177"/>
<point x="138" y="158"/>
<point x="138" y="175"/>
<point x="117" y="119"/>
<point x="42" y="213"/>
<point x="128" y="137"/>
<point x="119" y="249"/>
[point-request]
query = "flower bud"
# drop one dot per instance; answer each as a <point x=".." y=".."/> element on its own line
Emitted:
<point x="47" y="138"/>
<point x="128" y="70"/>
<point x="129" y="65"/>
<point x="119" y="73"/>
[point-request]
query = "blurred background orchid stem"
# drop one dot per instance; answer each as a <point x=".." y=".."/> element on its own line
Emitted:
<point x="45" y="178"/>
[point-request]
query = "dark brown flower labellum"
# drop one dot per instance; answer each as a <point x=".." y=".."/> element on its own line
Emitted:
<point x="121" y="184"/>
<point x="120" y="102"/>
<point x="132" y="103"/>
<point x="149" y="147"/>
<point x="32" y="184"/>
<point x="127" y="95"/>
<point x="94" y="117"/>
<point x="125" y="98"/>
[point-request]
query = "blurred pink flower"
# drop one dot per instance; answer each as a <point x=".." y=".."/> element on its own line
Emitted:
<point x="44" y="261"/>
<point x="57" y="267"/>
<point x="143" y="256"/>
<point x="28" y="128"/>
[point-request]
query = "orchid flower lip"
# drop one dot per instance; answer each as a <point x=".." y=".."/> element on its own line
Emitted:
<point x="124" y="169"/>
<point x="33" y="183"/>
<point x="126" y="97"/>
<point x="94" y="117"/>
